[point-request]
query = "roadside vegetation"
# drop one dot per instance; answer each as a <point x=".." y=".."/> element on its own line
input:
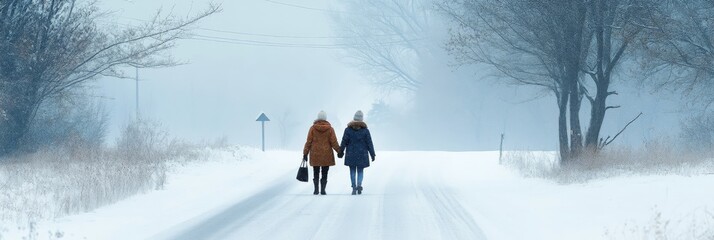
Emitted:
<point x="76" y="177"/>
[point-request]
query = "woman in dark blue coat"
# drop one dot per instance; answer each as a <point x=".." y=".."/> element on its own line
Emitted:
<point x="357" y="141"/>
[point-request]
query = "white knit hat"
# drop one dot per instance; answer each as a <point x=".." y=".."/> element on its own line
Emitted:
<point x="322" y="116"/>
<point x="359" y="116"/>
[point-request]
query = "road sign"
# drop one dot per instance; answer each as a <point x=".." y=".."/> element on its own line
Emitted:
<point x="262" y="119"/>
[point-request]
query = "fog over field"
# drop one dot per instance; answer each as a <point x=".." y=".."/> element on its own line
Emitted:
<point x="224" y="86"/>
<point x="432" y="119"/>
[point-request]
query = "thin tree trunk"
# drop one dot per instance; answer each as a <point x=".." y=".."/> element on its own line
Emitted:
<point x="576" y="135"/>
<point x="573" y="59"/>
<point x="597" y="117"/>
<point x="602" y="76"/>
<point x="563" y="128"/>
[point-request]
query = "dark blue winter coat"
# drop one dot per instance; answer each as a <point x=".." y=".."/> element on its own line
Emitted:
<point x="358" y="143"/>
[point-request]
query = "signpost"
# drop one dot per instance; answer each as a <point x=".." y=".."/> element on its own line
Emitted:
<point x="262" y="119"/>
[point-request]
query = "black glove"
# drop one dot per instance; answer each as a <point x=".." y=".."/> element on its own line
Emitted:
<point x="340" y="154"/>
<point x="304" y="157"/>
<point x="373" y="158"/>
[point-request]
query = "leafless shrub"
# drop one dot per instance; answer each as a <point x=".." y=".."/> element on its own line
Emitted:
<point x="658" y="156"/>
<point x="54" y="182"/>
<point x="74" y="122"/>
<point x="694" y="226"/>
<point x="698" y="134"/>
<point x="532" y="164"/>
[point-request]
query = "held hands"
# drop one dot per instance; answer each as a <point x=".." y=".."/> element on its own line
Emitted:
<point x="340" y="154"/>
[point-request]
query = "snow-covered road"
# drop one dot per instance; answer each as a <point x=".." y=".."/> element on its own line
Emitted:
<point x="403" y="199"/>
<point x="407" y="195"/>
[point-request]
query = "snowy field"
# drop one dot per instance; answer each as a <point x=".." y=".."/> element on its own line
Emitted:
<point x="407" y="195"/>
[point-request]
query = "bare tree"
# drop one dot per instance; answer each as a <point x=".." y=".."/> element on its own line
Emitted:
<point x="680" y="49"/>
<point x="553" y="44"/>
<point x="536" y="43"/>
<point x="48" y="47"/>
<point x="616" y="25"/>
<point x="387" y="39"/>
<point x="287" y="125"/>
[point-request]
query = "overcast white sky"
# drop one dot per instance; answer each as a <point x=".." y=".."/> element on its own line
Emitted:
<point x="224" y="87"/>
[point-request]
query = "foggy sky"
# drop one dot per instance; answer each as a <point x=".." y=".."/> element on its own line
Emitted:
<point x="224" y="87"/>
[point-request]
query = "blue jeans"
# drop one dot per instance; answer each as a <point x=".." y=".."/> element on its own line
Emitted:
<point x="360" y="175"/>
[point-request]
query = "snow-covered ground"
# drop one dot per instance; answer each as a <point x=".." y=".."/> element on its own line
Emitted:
<point x="408" y="195"/>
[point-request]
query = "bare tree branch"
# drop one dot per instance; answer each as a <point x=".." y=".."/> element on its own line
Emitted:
<point x="606" y="142"/>
<point x="50" y="48"/>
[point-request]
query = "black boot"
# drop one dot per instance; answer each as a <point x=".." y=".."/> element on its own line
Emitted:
<point x="314" y="181"/>
<point x="359" y="189"/>
<point x="354" y="191"/>
<point x="323" y="184"/>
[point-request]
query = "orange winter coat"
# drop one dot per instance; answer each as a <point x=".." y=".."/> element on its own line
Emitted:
<point x="321" y="140"/>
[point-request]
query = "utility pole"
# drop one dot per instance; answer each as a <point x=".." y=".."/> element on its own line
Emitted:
<point x="500" y="150"/>
<point x="137" y="93"/>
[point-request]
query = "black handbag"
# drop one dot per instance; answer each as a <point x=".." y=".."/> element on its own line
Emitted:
<point x="302" y="174"/>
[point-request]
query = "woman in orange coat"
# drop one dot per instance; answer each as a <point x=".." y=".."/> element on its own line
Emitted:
<point x="321" y="141"/>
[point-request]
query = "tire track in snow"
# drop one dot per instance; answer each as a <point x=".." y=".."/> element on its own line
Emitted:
<point x="356" y="218"/>
<point x="403" y="200"/>
<point x="400" y="207"/>
<point x="330" y="220"/>
<point x="220" y="224"/>
<point x="294" y="222"/>
<point x="454" y="220"/>
<point x="282" y="215"/>
<point x="345" y="216"/>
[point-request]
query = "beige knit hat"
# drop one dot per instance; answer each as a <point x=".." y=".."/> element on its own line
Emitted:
<point x="359" y="116"/>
